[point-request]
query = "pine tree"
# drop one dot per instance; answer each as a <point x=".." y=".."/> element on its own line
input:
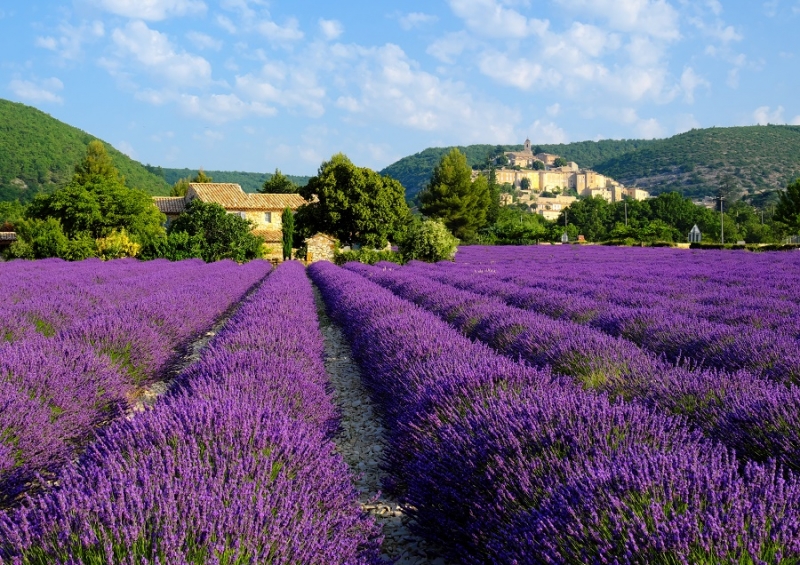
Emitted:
<point x="287" y="221"/>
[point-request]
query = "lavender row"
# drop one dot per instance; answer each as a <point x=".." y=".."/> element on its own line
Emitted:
<point x="233" y="465"/>
<point x="756" y="417"/>
<point x="740" y="289"/>
<point x="503" y="463"/>
<point x="659" y="330"/>
<point x="55" y="391"/>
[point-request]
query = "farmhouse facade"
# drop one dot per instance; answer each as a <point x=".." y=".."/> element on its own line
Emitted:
<point x="264" y="210"/>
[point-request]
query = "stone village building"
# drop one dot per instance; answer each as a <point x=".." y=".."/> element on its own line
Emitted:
<point x="264" y="210"/>
<point x="557" y="180"/>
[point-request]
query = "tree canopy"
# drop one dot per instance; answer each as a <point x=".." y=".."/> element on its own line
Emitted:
<point x="279" y="183"/>
<point x="455" y="199"/>
<point x="788" y="209"/>
<point x="96" y="203"/>
<point x="354" y="204"/>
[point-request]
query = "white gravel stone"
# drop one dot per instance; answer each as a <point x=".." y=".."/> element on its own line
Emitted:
<point x="360" y="441"/>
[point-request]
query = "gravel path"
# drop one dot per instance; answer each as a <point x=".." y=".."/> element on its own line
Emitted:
<point x="360" y="441"/>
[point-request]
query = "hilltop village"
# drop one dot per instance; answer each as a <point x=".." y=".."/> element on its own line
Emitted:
<point x="548" y="183"/>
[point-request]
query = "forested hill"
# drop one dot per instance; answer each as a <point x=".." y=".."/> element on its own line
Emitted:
<point x="415" y="171"/>
<point x="757" y="159"/>
<point x="250" y="182"/>
<point x="38" y="153"/>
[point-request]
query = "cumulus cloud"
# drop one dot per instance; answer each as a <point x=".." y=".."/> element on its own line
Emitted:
<point x="221" y="108"/>
<point x="547" y="132"/>
<point x="691" y="81"/>
<point x="415" y="20"/>
<point x="390" y="86"/>
<point x="521" y="73"/>
<point x="492" y="19"/>
<point x="151" y="10"/>
<point x="656" y="18"/>
<point x="38" y="91"/>
<point x="127" y="149"/>
<point x="764" y="115"/>
<point x="554" y="110"/>
<point x="292" y="87"/>
<point x="203" y="41"/>
<point x="68" y="43"/>
<point x="153" y="51"/>
<point x="281" y="34"/>
<point x="449" y="47"/>
<point x="331" y="29"/>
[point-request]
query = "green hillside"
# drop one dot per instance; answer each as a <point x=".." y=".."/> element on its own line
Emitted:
<point x="250" y="182"/>
<point x="758" y="158"/>
<point x="415" y="171"/>
<point x="38" y="154"/>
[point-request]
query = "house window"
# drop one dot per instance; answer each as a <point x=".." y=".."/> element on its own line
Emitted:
<point x="268" y="217"/>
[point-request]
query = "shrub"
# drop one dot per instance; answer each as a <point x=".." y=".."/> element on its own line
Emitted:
<point x="367" y="256"/>
<point x="429" y="241"/>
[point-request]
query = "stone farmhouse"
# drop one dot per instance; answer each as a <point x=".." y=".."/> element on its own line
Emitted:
<point x="264" y="210"/>
<point x="558" y="181"/>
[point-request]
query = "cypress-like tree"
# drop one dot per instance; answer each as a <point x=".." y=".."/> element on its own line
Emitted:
<point x="454" y="198"/>
<point x="287" y="221"/>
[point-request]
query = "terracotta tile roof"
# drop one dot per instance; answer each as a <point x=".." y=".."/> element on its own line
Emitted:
<point x="8" y="236"/>
<point x="170" y="204"/>
<point x="270" y="236"/>
<point x="232" y="197"/>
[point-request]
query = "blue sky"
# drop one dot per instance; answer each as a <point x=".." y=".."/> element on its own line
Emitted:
<point x="253" y="85"/>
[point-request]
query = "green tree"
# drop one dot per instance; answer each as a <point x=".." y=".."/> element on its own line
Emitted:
<point x="354" y="204"/>
<point x="591" y="216"/>
<point x="560" y="162"/>
<point x="11" y="212"/>
<point x="181" y="187"/>
<point x="96" y="203"/>
<point x="537" y="165"/>
<point x="493" y="211"/>
<point x="451" y="196"/>
<point x="202" y="177"/>
<point x="287" y="226"/>
<point x="525" y="184"/>
<point x="788" y="209"/>
<point x="428" y="240"/>
<point x="279" y="183"/>
<point x="517" y="226"/>
<point x="39" y="239"/>
<point x="212" y="233"/>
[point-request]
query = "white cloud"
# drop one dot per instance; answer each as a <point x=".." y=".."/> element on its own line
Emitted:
<point x="547" y="132"/>
<point x="127" y="149"/>
<point x="415" y="20"/>
<point x="686" y="122"/>
<point x="38" y="91"/>
<point x="292" y="87"/>
<point x="691" y="81"/>
<point x="391" y="88"/>
<point x="796" y="121"/>
<point x="733" y="78"/>
<point x="203" y="41"/>
<point x="449" y="47"/>
<point x="490" y="18"/>
<point x="281" y="35"/>
<point x="649" y="129"/>
<point x="331" y="29"/>
<point x="221" y="108"/>
<point x="554" y="110"/>
<point x="764" y="115"/>
<point x="656" y="18"/>
<point x="68" y="45"/>
<point x="520" y="73"/>
<point x="151" y="10"/>
<point x="153" y="51"/>
<point x="227" y="24"/>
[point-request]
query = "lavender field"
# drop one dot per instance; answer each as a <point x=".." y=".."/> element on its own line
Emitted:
<point x="545" y="404"/>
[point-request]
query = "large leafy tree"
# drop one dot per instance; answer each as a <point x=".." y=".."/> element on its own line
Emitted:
<point x="279" y="183"/>
<point x="97" y="203"/>
<point x="788" y="209"/>
<point x="207" y="231"/>
<point x="354" y="204"/>
<point x="592" y="216"/>
<point x="452" y="196"/>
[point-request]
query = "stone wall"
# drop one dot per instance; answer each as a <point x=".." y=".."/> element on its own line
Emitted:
<point x="320" y="248"/>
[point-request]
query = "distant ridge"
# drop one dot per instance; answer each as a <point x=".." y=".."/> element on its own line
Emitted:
<point x="38" y="153"/>
<point x="760" y="159"/>
<point x="250" y="182"/>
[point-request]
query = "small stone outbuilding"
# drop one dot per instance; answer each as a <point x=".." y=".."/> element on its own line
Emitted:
<point x="321" y="247"/>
